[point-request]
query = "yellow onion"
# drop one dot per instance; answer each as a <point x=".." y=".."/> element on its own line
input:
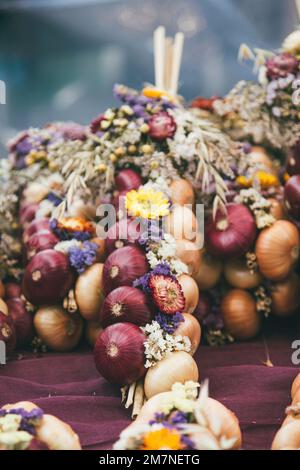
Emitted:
<point x="93" y="328"/>
<point x="89" y="291"/>
<point x="288" y="436"/>
<point x="209" y="271"/>
<point x="295" y="385"/>
<point x="277" y="250"/>
<point x="189" y="254"/>
<point x="58" y="329"/>
<point x="3" y="307"/>
<point x="57" y="435"/>
<point x="190" y="291"/>
<point x="182" y="224"/>
<point x="239" y="275"/>
<point x="178" y="366"/>
<point x="240" y="315"/>
<point x="100" y="254"/>
<point x="285" y="296"/>
<point x="2" y="290"/>
<point x="192" y="329"/>
<point x="182" y="192"/>
<point x="276" y="209"/>
<point x="296" y="397"/>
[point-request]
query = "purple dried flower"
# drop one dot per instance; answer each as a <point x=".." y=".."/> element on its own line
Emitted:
<point x="178" y="417"/>
<point x="52" y="197"/>
<point x="169" y="323"/>
<point x="81" y="258"/>
<point x="29" y="418"/>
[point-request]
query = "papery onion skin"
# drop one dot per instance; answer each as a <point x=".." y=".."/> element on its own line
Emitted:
<point x="122" y="233"/>
<point x="22" y="319"/>
<point x="239" y="275"/>
<point x="183" y="225"/>
<point x="288" y="437"/>
<point x="190" y="291"/>
<point x="57" y="434"/>
<point x="295" y="385"/>
<point x="292" y="196"/>
<point x="230" y="235"/>
<point x="277" y="209"/>
<point x="47" y="278"/>
<point x="124" y="266"/>
<point x="127" y="179"/>
<point x="89" y="292"/>
<point x="7" y="332"/>
<point x="209" y="271"/>
<point x="125" y="304"/>
<point x="35" y="226"/>
<point x="58" y="329"/>
<point x="178" y="366"/>
<point x="285" y="296"/>
<point x="240" y="315"/>
<point x="40" y="241"/>
<point x="191" y="328"/>
<point x="277" y="250"/>
<point x="119" y="353"/>
<point x="92" y="331"/>
<point x="28" y="214"/>
<point x="189" y="253"/>
<point x="182" y="192"/>
<point x="12" y="290"/>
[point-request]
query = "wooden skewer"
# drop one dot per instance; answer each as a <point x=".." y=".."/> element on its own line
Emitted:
<point x="168" y="63"/>
<point x="178" y="48"/>
<point x="159" y="56"/>
<point x="297" y="2"/>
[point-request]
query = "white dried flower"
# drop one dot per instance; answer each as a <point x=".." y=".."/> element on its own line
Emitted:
<point x="65" y="246"/>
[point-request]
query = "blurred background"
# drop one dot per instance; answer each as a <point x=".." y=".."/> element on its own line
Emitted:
<point x="60" y="58"/>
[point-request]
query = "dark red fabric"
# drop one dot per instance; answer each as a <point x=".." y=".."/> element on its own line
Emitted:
<point x="68" y="386"/>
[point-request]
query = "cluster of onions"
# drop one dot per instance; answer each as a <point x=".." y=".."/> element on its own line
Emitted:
<point x="288" y="436"/>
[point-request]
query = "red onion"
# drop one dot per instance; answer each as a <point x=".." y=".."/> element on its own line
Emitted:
<point x="40" y="241"/>
<point x="119" y="353"/>
<point x="123" y="266"/>
<point x="22" y="320"/>
<point x="233" y="234"/>
<point x="28" y="213"/>
<point x="12" y="290"/>
<point x="125" y="304"/>
<point x="127" y="179"/>
<point x="35" y="226"/>
<point x="122" y="233"/>
<point x="7" y="332"/>
<point x="292" y="196"/>
<point x="47" y="278"/>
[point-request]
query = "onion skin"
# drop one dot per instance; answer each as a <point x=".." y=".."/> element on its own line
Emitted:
<point x="209" y="272"/>
<point x="100" y="255"/>
<point x="7" y="332"/>
<point x="89" y="291"/>
<point x="3" y="307"/>
<point x="183" y="225"/>
<point x="178" y="366"/>
<point x="12" y="290"/>
<point x="57" y="435"/>
<point x="35" y="226"/>
<point x="296" y="397"/>
<point x="295" y="385"/>
<point x="189" y="254"/>
<point x="47" y="278"/>
<point x="292" y="196"/>
<point x="190" y="291"/>
<point x="22" y="320"/>
<point x="123" y="266"/>
<point x="192" y="329"/>
<point x="288" y="437"/>
<point x="59" y="330"/>
<point x="2" y="290"/>
<point x="40" y="241"/>
<point x="277" y="250"/>
<point x="93" y="329"/>
<point x="240" y="315"/>
<point x="182" y="192"/>
<point x="122" y="233"/>
<point x="125" y="304"/>
<point x="127" y="179"/>
<point x="230" y="235"/>
<point x="119" y="353"/>
<point x="28" y="214"/>
<point x="238" y="275"/>
<point x="285" y="296"/>
<point x="277" y="209"/>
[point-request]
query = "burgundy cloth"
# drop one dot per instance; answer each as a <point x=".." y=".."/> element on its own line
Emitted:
<point x="68" y="386"/>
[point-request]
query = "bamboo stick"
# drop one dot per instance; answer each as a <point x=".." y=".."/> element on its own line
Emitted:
<point x="159" y="56"/>
<point x="177" y="56"/>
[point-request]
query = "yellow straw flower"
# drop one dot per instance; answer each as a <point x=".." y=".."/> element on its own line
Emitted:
<point x="243" y="181"/>
<point x="155" y="93"/>
<point x="162" y="439"/>
<point x="265" y="179"/>
<point x="148" y="204"/>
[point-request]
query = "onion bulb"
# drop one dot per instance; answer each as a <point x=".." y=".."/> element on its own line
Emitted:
<point x="276" y="209"/>
<point x="178" y="366"/>
<point x="240" y="315"/>
<point x="40" y="241"/>
<point x="58" y="329"/>
<point x="209" y="271"/>
<point x="2" y="290"/>
<point x="89" y="291"/>
<point x="230" y="234"/>
<point x="277" y="250"/>
<point x="182" y="224"/>
<point x="182" y="192"/>
<point x="119" y="353"/>
<point x="3" y="307"/>
<point x="12" y="290"/>
<point x="22" y="320"/>
<point x="295" y="385"/>
<point x="123" y="266"/>
<point x="189" y="253"/>
<point x="47" y="278"/>
<point x="288" y="437"/>
<point x="190" y="327"/>
<point x="190" y="291"/>
<point x="127" y="179"/>
<point x="122" y="233"/>
<point x="93" y="329"/>
<point x="239" y="275"/>
<point x="285" y="296"/>
<point x="292" y="196"/>
<point x="57" y="434"/>
<point x="7" y="332"/>
<point x="28" y="214"/>
<point x="204" y="306"/>
<point x="125" y="304"/>
<point x="35" y="226"/>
